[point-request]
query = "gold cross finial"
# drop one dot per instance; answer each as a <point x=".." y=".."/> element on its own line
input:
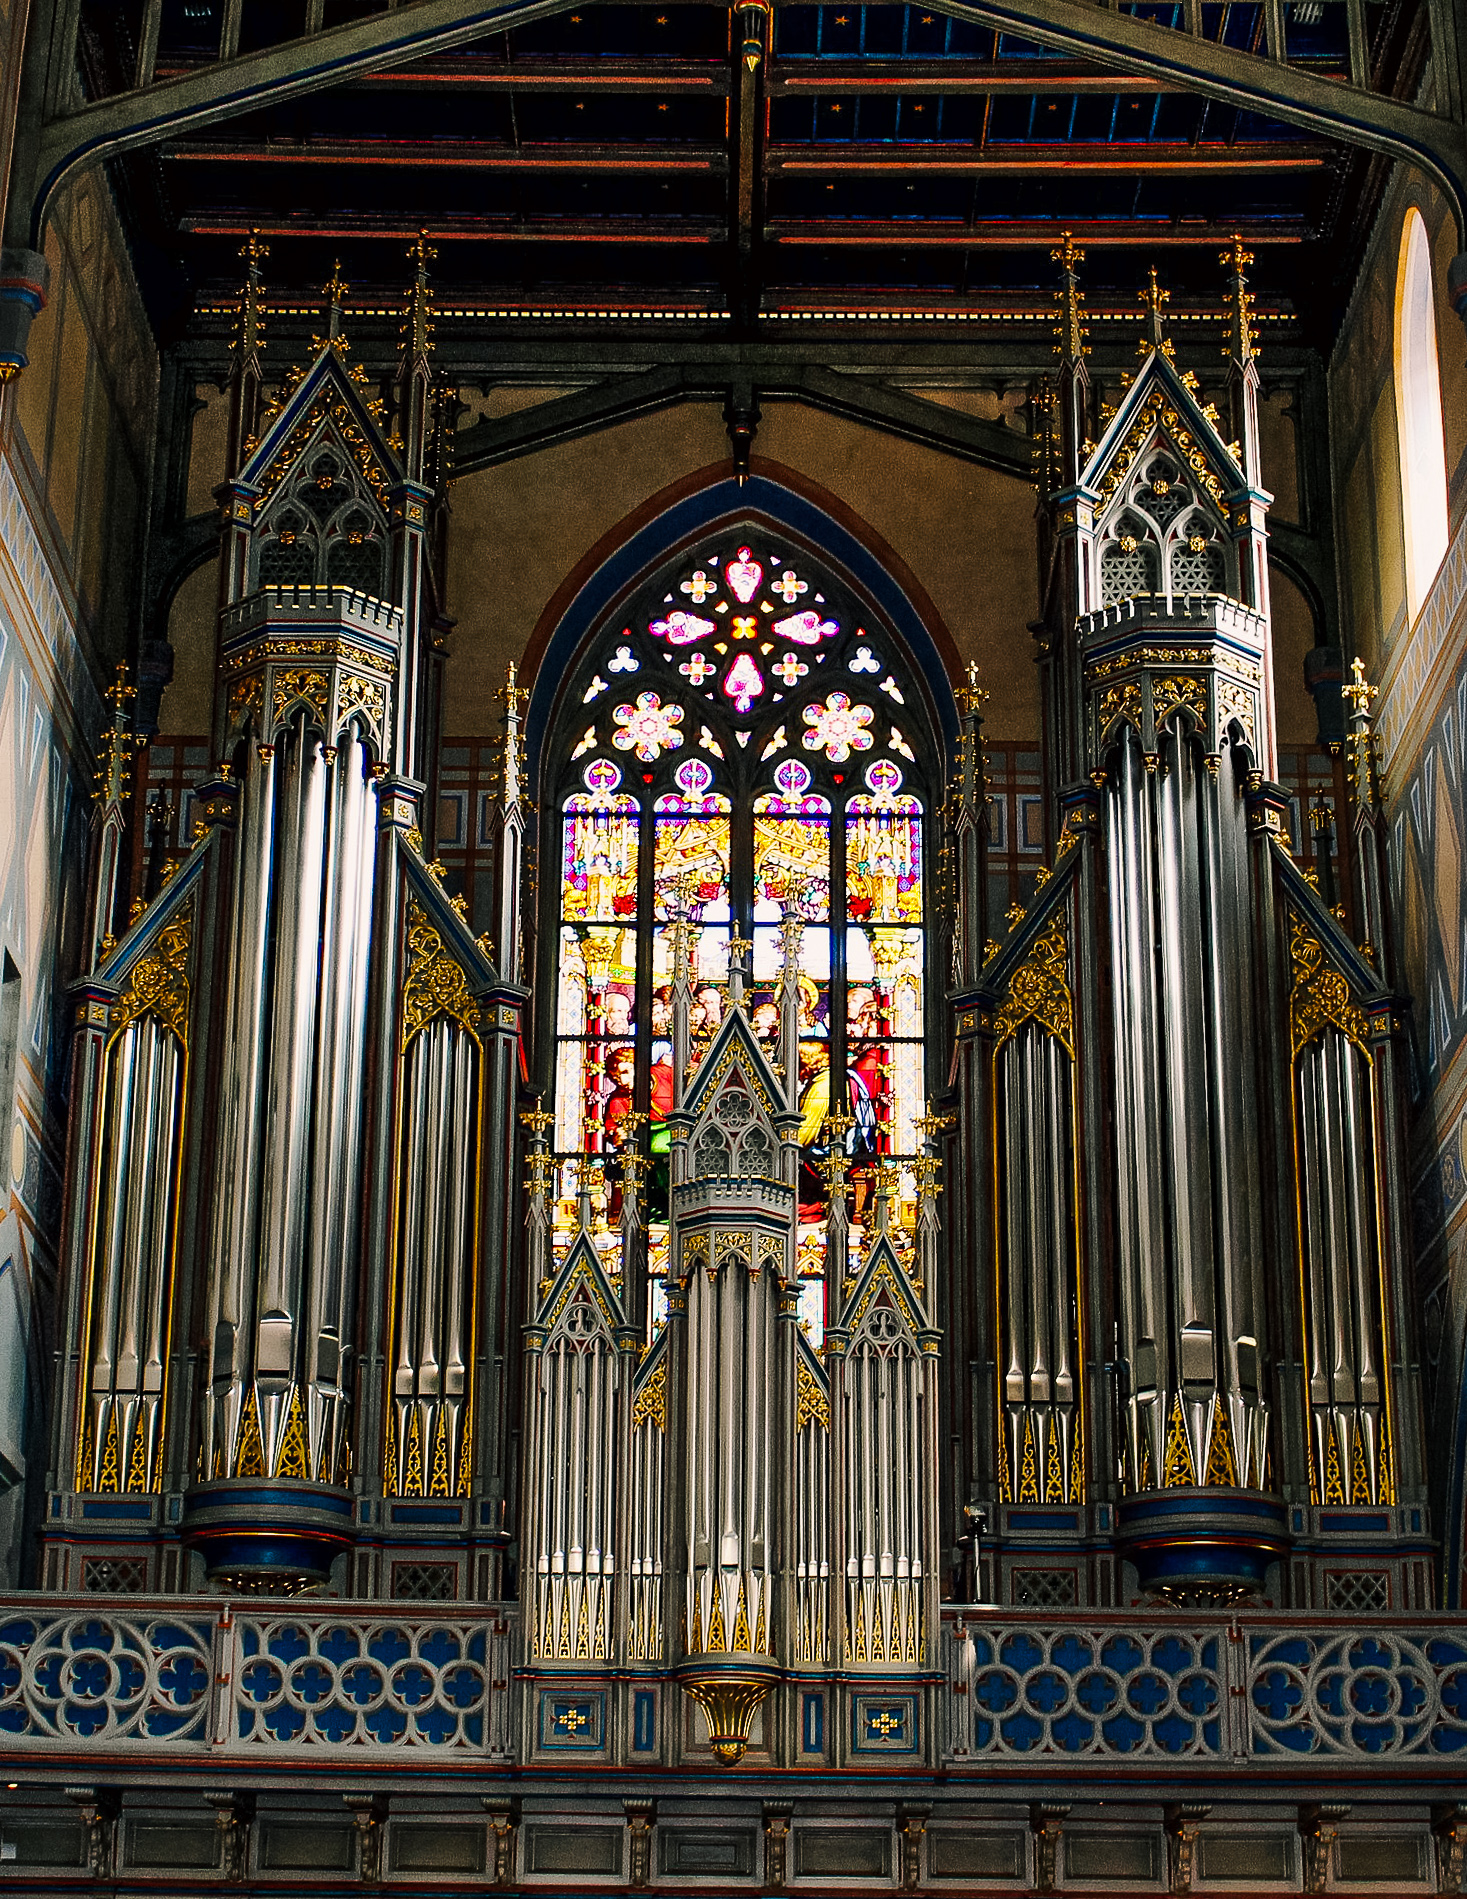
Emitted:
<point x="1069" y="253"/>
<point x="1359" y="692"/>
<point x="972" y="697"/>
<point x="119" y="692"/>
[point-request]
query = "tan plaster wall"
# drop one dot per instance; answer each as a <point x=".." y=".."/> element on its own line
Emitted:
<point x="966" y="534"/>
<point x="80" y="418"/>
<point x="187" y="703"/>
<point x="1293" y="635"/>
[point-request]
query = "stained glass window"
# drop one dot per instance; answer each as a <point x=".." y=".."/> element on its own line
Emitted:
<point x="742" y="768"/>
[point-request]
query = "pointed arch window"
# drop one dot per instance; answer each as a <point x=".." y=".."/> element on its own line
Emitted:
<point x="1419" y="415"/>
<point x="746" y="736"/>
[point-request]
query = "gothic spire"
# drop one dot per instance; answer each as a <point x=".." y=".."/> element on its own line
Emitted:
<point x="1071" y="299"/>
<point x="244" y="405"/>
<point x="1072" y="348"/>
<point x="1151" y="299"/>
<point x="334" y="290"/>
<point x="415" y="379"/>
<point x="1242" y="360"/>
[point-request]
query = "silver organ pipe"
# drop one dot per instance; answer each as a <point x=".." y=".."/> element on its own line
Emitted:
<point x="429" y="1437"/>
<point x="1187" y="1199"/>
<point x="295" y="1053"/>
<point x="138" y="1157"/>
<point x="577" y="1405"/>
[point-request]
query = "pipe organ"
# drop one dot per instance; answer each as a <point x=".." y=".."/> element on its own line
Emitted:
<point x="692" y="1357"/>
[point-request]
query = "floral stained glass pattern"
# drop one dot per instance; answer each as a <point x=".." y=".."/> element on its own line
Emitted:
<point x="838" y="728"/>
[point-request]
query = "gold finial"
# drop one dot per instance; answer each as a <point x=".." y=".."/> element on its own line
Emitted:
<point x="514" y="694"/>
<point x="335" y="293"/>
<point x="972" y="697"/>
<point x="1241" y="342"/>
<point x="252" y="298"/>
<point x="1071" y="345"/>
<point x="118" y="744"/>
<point x="1359" y="692"/>
<point x="419" y="327"/>
<point x="1151" y="300"/>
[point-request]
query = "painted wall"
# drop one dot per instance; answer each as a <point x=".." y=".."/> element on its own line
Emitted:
<point x="1420" y="665"/>
<point x="76" y="433"/>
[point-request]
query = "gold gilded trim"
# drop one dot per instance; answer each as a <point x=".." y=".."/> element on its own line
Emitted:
<point x="811" y="1404"/>
<point x="1320" y="995"/>
<point x="159" y="984"/>
<point x="312" y="688"/>
<point x="1039" y="991"/>
<point x="651" y="1401"/>
<point x="435" y="983"/>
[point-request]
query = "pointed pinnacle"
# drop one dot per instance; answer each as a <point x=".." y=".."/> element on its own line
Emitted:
<point x="1151" y="300"/>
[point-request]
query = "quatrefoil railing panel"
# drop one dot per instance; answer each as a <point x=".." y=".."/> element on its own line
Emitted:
<point x="1130" y="1692"/>
<point x="101" y="1678"/>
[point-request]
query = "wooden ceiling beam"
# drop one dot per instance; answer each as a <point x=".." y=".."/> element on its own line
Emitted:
<point x="920" y="234"/>
<point x="966" y="161"/>
<point x="410" y="155"/>
<point x="639" y="231"/>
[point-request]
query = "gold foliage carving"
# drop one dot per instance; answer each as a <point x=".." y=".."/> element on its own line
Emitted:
<point x="1120" y="705"/>
<point x="246" y="696"/>
<point x="435" y="982"/>
<point x="651" y="1402"/>
<point x="1039" y="991"/>
<point x="1159" y="413"/>
<point x="298" y="684"/>
<point x="159" y="985"/>
<point x="367" y="696"/>
<point x="1177" y="1468"/>
<point x="1178" y="690"/>
<point x="277" y="647"/>
<point x="294" y="1459"/>
<point x="249" y="1452"/>
<point x="1235" y="702"/>
<point x="811" y="1403"/>
<point x="1320" y="996"/>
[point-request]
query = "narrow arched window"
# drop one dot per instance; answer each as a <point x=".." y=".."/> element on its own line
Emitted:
<point x="1419" y="415"/>
<point x="745" y="736"/>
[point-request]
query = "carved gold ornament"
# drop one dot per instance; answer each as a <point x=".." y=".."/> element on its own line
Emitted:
<point x="159" y="985"/>
<point x="1120" y="705"/>
<point x="1235" y="702"/>
<point x="651" y="1401"/>
<point x="435" y="984"/>
<point x="246" y="696"/>
<point x="1179" y="690"/>
<point x="1039" y="991"/>
<point x="367" y="696"/>
<point x="811" y="1404"/>
<point x="1320" y="996"/>
<point x="310" y="687"/>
